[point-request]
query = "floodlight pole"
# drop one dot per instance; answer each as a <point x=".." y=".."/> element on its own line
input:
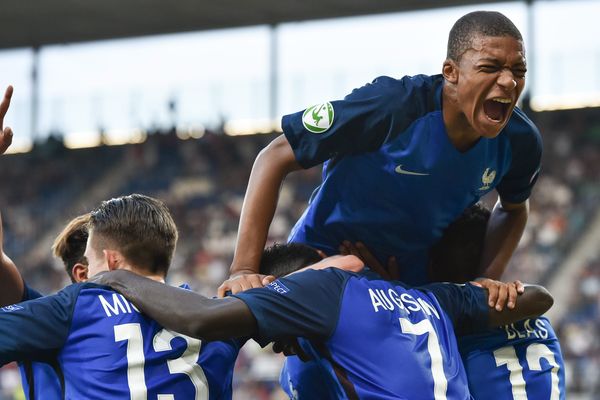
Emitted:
<point x="273" y="74"/>
<point x="530" y="54"/>
<point x="35" y="93"/>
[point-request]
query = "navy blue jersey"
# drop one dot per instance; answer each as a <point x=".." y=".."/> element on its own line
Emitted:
<point x="520" y="361"/>
<point x="391" y="177"/>
<point x="39" y="380"/>
<point x="380" y="338"/>
<point x="106" y="349"/>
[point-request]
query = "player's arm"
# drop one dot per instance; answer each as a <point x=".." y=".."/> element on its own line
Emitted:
<point x="534" y="301"/>
<point x="301" y="305"/>
<point x="35" y="330"/>
<point x="182" y="310"/>
<point x="467" y="306"/>
<point x="11" y="283"/>
<point x="271" y="167"/>
<point x="504" y="231"/>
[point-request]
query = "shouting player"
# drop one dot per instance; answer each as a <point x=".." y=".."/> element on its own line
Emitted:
<point x="403" y="158"/>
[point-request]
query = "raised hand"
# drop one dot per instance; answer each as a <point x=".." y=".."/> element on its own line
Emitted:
<point x="6" y="134"/>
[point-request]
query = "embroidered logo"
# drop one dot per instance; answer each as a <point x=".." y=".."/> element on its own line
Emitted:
<point x="318" y="118"/>
<point x="487" y="179"/>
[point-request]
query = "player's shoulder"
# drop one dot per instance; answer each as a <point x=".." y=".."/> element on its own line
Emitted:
<point x="521" y="127"/>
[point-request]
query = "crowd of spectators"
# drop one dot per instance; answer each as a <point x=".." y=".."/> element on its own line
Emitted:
<point x="203" y="181"/>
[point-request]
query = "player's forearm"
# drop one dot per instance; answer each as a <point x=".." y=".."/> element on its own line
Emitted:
<point x="182" y="310"/>
<point x="269" y="170"/>
<point x="534" y="301"/>
<point x="504" y="231"/>
<point x="11" y="282"/>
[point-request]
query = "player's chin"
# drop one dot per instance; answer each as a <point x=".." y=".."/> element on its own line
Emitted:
<point x="489" y="128"/>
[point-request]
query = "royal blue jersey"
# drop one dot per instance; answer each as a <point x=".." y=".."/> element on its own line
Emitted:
<point x="106" y="349"/>
<point x="391" y="177"/>
<point x="380" y="338"/>
<point x="518" y="361"/>
<point x="39" y="380"/>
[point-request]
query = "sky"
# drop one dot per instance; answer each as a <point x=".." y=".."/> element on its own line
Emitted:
<point x="122" y="86"/>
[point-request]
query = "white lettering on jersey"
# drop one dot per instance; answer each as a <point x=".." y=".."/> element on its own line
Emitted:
<point x="539" y="330"/>
<point x="391" y="300"/>
<point x="118" y="306"/>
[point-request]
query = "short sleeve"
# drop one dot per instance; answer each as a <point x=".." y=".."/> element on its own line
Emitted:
<point x="526" y="148"/>
<point x="466" y="305"/>
<point x="359" y="123"/>
<point x="29" y="293"/>
<point x="45" y="322"/>
<point x="305" y="304"/>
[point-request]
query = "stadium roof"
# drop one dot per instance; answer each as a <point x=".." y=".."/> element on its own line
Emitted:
<point x="31" y="23"/>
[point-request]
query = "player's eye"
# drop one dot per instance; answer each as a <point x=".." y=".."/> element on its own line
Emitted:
<point x="519" y="73"/>
<point x="488" y="68"/>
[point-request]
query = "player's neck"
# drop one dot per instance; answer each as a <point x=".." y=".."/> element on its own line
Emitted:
<point x="460" y="133"/>
<point x="155" y="277"/>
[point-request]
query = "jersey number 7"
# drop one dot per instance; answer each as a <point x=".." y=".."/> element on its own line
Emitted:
<point x="186" y="364"/>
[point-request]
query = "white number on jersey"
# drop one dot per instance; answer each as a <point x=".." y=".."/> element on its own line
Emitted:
<point x="186" y="364"/>
<point x="534" y="353"/>
<point x="440" y="384"/>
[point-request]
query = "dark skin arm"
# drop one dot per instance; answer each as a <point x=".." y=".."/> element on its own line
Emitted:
<point x="270" y="169"/>
<point x="534" y="301"/>
<point x="11" y="283"/>
<point x="219" y="319"/>
<point x="504" y="231"/>
<point x="182" y="310"/>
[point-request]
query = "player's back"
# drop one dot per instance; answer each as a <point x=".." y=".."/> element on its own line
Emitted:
<point x="406" y="339"/>
<point x="520" y="361"/>
<point x="113" y="351"/>
<point x="382" y="339"/>
<point x="106" y="349"/>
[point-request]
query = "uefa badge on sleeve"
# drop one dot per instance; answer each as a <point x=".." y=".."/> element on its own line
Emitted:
<point x="318" y="118"/>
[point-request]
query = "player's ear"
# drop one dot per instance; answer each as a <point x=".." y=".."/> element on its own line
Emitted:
<point x="450" y="71"/>
<point x="113" y="259"/>
<point x="79" y="272"/>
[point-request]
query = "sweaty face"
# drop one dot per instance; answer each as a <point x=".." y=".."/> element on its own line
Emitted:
<point x="491" y="77"/>
<point x="97" y="261"/>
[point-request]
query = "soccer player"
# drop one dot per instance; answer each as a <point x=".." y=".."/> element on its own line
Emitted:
<point x="402" y="158"/>
<point x="522" y="360"/>
<point x="104" y="347"/>
<point x="382" y="339"/>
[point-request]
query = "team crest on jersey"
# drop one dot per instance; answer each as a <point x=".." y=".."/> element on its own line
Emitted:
<point x="488" y="178"/>
<point x="11" y="308"/>
<point x="278" y="286"/>
<point x="318" y="118"/>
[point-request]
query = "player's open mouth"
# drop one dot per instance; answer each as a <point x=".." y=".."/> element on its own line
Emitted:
<point x="496" y="109"/>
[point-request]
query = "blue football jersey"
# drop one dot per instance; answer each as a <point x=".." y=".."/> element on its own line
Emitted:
<point x="518" y="361"/>
<point x="381" y="339"/>
<point x="39" y="380"/>
<point x="391" y="177"/>
<point x="106" y="349"/>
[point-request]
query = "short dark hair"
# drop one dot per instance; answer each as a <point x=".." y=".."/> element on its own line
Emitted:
<point x="140" y="227"/>
<point x="484" y="23"/>
<point x="457" y="255"/>
<point x="282" y="259"/>
<point x="70" y="244"/>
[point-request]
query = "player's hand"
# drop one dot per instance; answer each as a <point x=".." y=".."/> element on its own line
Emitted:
<point x="244" y="281"/>
<point x="391" y="272"/>
<point x="290" y="347"/>
<point x="501" y="294"/>
<point x="6" y="134"/>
